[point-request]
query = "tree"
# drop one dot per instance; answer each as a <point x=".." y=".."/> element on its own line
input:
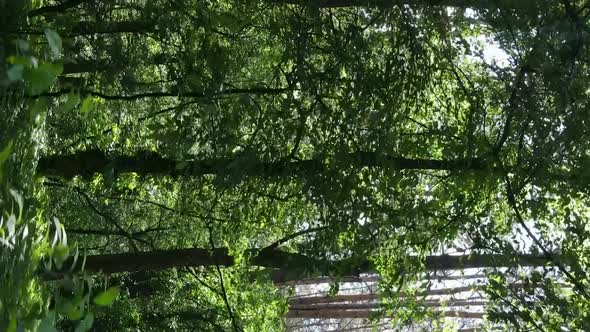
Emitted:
<point x="220" y="146"/>
<point x="274" y="259"/>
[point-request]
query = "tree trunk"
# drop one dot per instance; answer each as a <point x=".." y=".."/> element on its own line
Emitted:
<point x="478" y="4"/>
<point x="81" y="65"/>
<point x="336" y="306"/>
<point x="439" y="263"/>
<point x="298" y="264"/>
<point x="140" y="284"/>
<point x="90" y="28"/>
<point x="194" y="257"/>
<point x="89" y="162"/>
<point x="105" y="232"/>
<point x="366" y="314"/>
<point x="375" y="305"/>
<point x="309" y="300"/>
<point x="324" y="280"/>
<point x="371" y="297"/>
<point x="164" y="94"/>
<point x="528" y="5"/>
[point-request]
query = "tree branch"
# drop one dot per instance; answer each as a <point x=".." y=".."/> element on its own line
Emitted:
<point x="510" y="112"/>
<point x="192" y="94"/>
<point x="86" y="163"/>
<point x="287" y="238"/>
<point x="108" y="218"/>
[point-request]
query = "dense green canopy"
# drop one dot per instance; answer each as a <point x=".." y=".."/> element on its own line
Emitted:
<point x="183" y="165"/>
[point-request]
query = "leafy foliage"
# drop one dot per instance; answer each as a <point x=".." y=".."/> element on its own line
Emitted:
<point x="280" y="140"/>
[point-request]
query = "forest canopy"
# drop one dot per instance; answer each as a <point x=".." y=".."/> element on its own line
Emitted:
<point x="294" y="165"/>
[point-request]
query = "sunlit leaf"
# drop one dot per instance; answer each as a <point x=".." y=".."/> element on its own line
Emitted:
<point x="37" y="106"/>
<point x="11" y="325"/>
<point x="11" y="225"/>
<point x="71" y="103"/>
<point x="54" y="41"/>
<point x="26" y="61"/>
<point x="42" y="77"/>
<point x="60" y="254"/>
<point x="75" y="314"/>
<point x="107" y="297"/>
<point x="5" y="153"/>
<point x="87" y="105"/>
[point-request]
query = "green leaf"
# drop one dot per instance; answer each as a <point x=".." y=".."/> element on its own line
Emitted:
<point x="75" y="314"/>
<point x="181" y="165"/>
<point x="334" y="288"/>
<point x="42" y="77"/>
<point x="60" y="254"/>
<point x="27" y="61"/>
<point x="15" y="73"/>
<point x="54" y="41"/>
<point x="107" y="297"/>
<point x="5" y="153"/>
<point x="71" y="103"/>
<point x="48" y="323"/>
<point x="37" y="106"/>
<point x="22" y="45"/>
<point x="87" y="106"/>
<point x="64" y="306"/>
<point x="86" y="323"/>
<point x="12" y="325"/>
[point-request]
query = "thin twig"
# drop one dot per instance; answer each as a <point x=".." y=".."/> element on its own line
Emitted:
<point x="512" y="202"/>
<point x="223" y="292"/>
<point x="108" y="218"/>
<point x="192" y="272"/>
<point x="510" y="112"/>
<point x="277" y="243"/>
